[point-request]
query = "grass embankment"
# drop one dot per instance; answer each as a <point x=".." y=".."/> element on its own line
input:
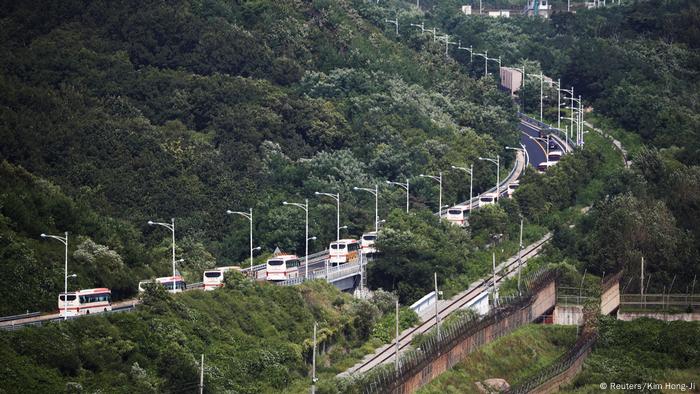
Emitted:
<point x="513" y="357"/>
<point x="256" y="338"/>
<point x="642" y="351"/>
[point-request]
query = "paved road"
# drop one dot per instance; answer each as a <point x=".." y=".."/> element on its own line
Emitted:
<point x="536" y="150"/>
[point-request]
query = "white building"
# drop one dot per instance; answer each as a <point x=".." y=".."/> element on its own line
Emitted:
<point x="511" y="79"/>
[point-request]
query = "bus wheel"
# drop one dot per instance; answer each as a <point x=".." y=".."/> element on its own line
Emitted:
<point x="88" y="312"/>
<point x="105" y="310"/>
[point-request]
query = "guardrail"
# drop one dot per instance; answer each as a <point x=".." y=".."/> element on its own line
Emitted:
<point x="547" y="127"/>
<point x="334" y="273"/>
<point x="313" y="256"/>
<point x="425" y="302"/>
<point x="20" y="316"/>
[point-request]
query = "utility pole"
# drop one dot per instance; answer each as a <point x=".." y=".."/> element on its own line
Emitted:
<point x="520" y="256"/>
<point x="396" y="359"/>
<point x="314" y="379"/>
<point x="437" y="179"/>
<point x="495" y="290"/>
<point x="437" y="317"/>
<point x="201" y="376"/>
<point x="641" y="279"/>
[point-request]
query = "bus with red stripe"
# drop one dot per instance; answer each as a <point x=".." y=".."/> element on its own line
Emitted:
<point x="214" y="278"/>
<point x="173" y="284"/>
<point x="84" y="302"/>
<point x="344" y="251"/>
<point x="282" y="267"/>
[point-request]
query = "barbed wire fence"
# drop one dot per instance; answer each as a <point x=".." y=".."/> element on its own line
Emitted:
<point x="466" y="331"/>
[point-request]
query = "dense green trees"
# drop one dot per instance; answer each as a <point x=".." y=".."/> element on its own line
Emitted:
<point x="150" y="111"/>
<point x="255" y="337"/>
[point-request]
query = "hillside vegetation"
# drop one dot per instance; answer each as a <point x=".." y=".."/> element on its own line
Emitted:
<point x="642" y="351"/>
<point x="255" y="337"/>
<point x="116" y="113"/>
<point x="513" y="357"/>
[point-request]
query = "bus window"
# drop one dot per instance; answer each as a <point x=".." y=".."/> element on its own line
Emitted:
<point x="212" y="274"/>
<point x="71" y="297"/>
<point x="275" y="262"/>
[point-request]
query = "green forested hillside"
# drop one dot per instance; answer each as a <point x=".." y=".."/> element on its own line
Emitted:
<point x="638" y="65"/>
<point x="140" y="111"/>
<point x="255" y="338"/>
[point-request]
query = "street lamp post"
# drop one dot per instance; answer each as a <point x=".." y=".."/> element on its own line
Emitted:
<point x="485" y="55"/>
<point x="375" y="193"/>
<point x="447" y="44"/>
<point x="422" y="26"/>
<point x="541" y="77"/>
<point x="471" y="51"/>
<point x="305" y="207"/>
<point x="64" y="241"/>
<point x="336" y="197"/>
<point x="497" y="162"/>
<point x="469" y="171"/>
<point x="438" y="179"/>
<point x="248" y="216"/>
<point x="405" y="186"/>
<point x="394" y="22"/>
<point x="170" y="226"/>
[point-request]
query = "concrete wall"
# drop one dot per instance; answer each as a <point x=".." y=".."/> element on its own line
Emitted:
<point x="568" y="315"/>
<point x="627" y="316"/>
<point x="543" y="301"/>
<point x="610" y="299"/>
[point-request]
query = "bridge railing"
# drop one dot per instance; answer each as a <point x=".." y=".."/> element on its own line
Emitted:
<point x="547" y="127"/>
<point x="334" y="273"/>
<point x="659" y="302"/>
<point x="313" y="256"/>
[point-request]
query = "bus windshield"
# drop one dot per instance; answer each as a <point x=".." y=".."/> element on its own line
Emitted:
<point x="275" y="262"/>
<point x="71" y="297"/>
<point x="455" y="211"/>
<point x="212" y="274"/>
<point x="336" y="246"/>
<point x="369" y="237"/>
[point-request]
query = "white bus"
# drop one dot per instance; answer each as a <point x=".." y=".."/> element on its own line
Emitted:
<point x="84" y="302"/>
<point x="214" y="278"/>
<point x="282" y="267"/>
<point x="367" y="242"/>
<point x="554" y="155"/>
<point x="458" y="214"/>
<point x="344" y="251"/>
<point x="542" y="167"/>
<point x="512" y="187"/>
<point x="173" y="284"/>
<point x="487" y="199"/>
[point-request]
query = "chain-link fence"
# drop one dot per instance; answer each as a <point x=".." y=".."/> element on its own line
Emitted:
<point x="561" y="371"/>
<point x="456" y="340"/>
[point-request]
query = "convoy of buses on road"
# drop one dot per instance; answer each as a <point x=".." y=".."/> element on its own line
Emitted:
<point x="284" y="266"/>
<point x="84" y="302"/>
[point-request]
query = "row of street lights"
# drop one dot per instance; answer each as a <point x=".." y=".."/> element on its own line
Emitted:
<point x="576" y="112"/>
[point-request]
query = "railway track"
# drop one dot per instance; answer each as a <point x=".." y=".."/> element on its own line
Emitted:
<point x="510" y="267"/>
